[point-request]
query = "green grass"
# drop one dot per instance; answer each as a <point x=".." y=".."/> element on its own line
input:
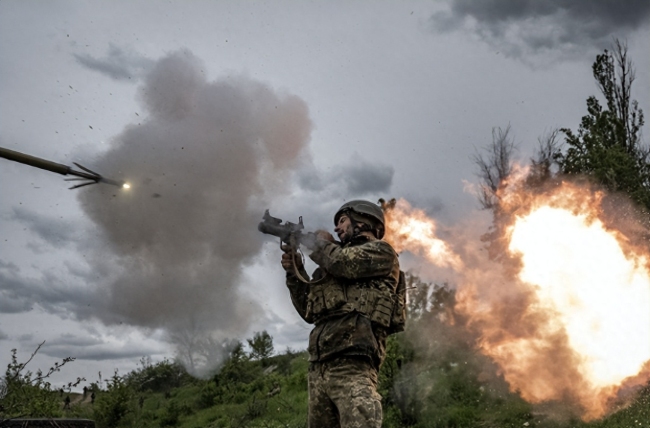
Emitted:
<point x="274" y="394"/>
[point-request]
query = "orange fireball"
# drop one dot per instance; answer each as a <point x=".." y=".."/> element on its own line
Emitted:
<point x="565" y="311"/>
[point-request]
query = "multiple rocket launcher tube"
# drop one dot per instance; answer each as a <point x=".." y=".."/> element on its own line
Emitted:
<point x="86" y="175"/>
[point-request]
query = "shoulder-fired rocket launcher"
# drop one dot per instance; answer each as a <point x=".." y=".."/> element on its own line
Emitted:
<point x="86" y="175"/>
<point x="291" y="234"/>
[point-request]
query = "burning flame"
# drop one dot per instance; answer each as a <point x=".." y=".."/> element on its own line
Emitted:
<point x="600" y="296"/>
<point x="567" y="314"/>
<point x="411" y="229"/>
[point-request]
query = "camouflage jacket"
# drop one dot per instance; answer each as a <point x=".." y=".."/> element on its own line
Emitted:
<point x="352" y="272"/>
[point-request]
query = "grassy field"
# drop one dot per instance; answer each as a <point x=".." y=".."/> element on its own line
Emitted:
<point x="273" y="393"/>
<point x="437" y="381"/>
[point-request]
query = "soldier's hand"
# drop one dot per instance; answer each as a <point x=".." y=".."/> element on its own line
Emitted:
<point x="324" y="235"/>
<point x="287" y="263"/>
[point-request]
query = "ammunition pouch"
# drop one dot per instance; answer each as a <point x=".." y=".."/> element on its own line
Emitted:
<point x="324" y="298"/>
<point x="373" y="299"/>
<point x="398" y="316"/>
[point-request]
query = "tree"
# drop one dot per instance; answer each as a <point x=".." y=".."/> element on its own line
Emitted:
<point x="607" y="145"/>
<point x="236" y="353"/>
<point x="495" y="167"/>
<point x="261" y="346"/>
<point x="543" y="165"/>
<point x="417" y="296"/>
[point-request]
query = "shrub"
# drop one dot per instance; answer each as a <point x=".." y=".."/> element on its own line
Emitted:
<point x="113" y="404"/>
<point x="30" y="394"/>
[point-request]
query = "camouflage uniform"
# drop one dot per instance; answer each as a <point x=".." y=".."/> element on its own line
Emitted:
<point x="351" y="314"/>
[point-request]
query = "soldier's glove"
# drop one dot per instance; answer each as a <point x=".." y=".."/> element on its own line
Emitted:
<point x="287" y="262"/>
<point x="325" y="236"/>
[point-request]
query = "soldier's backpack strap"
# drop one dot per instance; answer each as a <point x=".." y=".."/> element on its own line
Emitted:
<point x="295" y="252"/>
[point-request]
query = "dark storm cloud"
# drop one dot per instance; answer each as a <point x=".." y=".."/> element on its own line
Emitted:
<point x="26" y="337"/>
<point x="11" y="300"/>
<point x="19" y="293"/>
<point x="93" y="349"/>
<point x="11" y="305"/>
<point x="203" y="167"/>
<point x="74" y="340"/>
<point x="54" y="231"/>
<point x="523" y="27"/>
<point x="117" y="64"/>
<point x="355" y="179"/>
<point x="367" y="178"/>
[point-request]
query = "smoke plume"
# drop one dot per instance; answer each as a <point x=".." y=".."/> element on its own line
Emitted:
<point x="118" y="64"/>
<point x="202" y="165"/>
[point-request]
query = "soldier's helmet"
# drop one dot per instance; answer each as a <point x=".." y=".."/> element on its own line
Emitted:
<point x="366" y="210"/>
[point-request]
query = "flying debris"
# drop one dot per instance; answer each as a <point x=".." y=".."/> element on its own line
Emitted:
<point x="87" y="176"/>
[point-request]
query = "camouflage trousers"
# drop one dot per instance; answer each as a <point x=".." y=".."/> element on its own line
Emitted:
<point x="343" y="393"/>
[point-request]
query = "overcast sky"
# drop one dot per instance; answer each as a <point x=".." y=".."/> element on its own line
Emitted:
<point x="216" y="110"/>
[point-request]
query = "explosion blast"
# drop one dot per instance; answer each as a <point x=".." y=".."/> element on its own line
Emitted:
<point x="564" y="307"/>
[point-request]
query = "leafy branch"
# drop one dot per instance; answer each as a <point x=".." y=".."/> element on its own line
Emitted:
<point x="28" y="394"/>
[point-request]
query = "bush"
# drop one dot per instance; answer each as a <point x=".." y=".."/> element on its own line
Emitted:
<point x="27" y="394"/>
<point x="112" y="405"/>
<point x="159" y="377"/>
<point x="172" y="413"/>
<point x="208" y="396"/>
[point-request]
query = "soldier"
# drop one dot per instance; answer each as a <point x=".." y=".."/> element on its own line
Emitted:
<point x="352" y="301"/>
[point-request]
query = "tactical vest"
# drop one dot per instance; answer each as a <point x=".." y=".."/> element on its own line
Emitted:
<point x="372" y="298"/>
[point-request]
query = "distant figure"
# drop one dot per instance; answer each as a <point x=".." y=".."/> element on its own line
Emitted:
<point x="141" y="401"/>
<point x="92" y="398"/>
<point x="66" y="404"/>
<point x="85" y="392"/>
<point x="61" y="392"/>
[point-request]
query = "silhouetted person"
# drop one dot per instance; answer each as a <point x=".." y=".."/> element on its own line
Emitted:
<point x="66" y="404"/>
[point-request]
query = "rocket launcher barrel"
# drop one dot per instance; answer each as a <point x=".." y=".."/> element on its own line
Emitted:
<point x="34" y="161"/>
<point x="292" y="234"/>
<point x="273" y="226"/>
<point x="86" y="175"/>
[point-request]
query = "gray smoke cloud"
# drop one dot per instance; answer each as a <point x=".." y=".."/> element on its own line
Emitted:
<point x="203" y="165"/>
<point x="519" y="28"/>
<point x="118" y="64"/>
